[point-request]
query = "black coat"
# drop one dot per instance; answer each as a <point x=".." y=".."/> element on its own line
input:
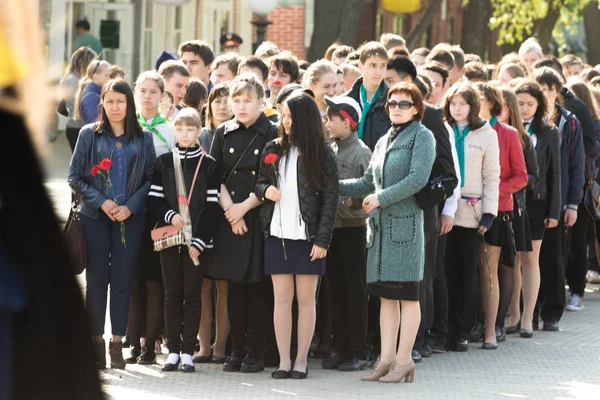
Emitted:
<point x="533" y="174"/>
<point x="377" y="122"/>
<point x="318" y="209"/>
<point x="204" y="204"/>
<point x="433" y="119"/>
<point x="584" y="116"/>
<point x="239" y="258"/>
<point x="54" y="314"/>
<point x="547" y="150"/>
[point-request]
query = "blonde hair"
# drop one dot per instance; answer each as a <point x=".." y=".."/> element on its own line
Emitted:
<point x="188" y="117"/>
<point x="93" y="68"/>
<point x="245" y="83"/>
<point x="314" y="73"/>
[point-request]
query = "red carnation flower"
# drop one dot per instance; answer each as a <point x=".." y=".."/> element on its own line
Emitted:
<point x="105" y="164"/>
<point x="95" y="170"/>
<point x="271" y="158"/>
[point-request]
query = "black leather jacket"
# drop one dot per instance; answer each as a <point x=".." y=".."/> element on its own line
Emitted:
<point x="318" y="209"/>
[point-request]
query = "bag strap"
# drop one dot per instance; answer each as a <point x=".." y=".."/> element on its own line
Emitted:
<point x="194" y="180"/>
<point x="240" y="159"/>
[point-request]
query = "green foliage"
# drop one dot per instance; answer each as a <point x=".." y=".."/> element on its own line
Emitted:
<point x="515" y="19"/>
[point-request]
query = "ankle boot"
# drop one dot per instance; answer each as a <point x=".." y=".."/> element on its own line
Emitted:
<point x="380" y="369"/>
<point x="398" y="373"/>
<point x="100" y="354"/>
<point x="115" y="350"/>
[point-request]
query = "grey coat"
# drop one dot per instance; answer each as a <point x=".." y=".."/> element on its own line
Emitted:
<point x="395" y="237"/>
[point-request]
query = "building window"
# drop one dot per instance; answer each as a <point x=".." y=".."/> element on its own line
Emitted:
<point x="148" y="42"/>
<point x="450" y="29"/>
<point x="177" y="27"/>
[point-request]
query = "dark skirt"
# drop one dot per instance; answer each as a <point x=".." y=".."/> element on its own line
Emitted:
<point x="298" y="258"/>
<point x="501" y="235"/>
<point x="408" y="291"/>
<point x="537" y="228"/>
<point x="522" y="230"/>
<point x="148" y="265"/>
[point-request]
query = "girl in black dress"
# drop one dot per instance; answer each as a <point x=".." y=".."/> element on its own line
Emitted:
<point x="300" y="189"/>
<point x="238" y="255"/>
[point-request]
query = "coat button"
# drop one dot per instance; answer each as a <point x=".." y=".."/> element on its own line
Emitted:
<point x="253" y="173"/>
<point x="256" y="151"/>
<point x="235" y="172"/>
<point x="232" y="193"/>
<point x="231" y="150"/>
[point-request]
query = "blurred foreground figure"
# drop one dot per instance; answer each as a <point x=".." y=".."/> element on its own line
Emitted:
<point x="41" y="306"/>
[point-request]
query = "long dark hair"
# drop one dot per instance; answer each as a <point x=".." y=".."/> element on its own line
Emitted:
<point x="532" y="88"/>
<point x="307" y="135"/>
<point x="132" y="126"/>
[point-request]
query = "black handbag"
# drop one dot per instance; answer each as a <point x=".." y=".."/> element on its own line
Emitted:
<point x="62" y="108"/>
<point x="73" y="235"/>
<point x="433" y="193"/>
<point x="591" y="198"/>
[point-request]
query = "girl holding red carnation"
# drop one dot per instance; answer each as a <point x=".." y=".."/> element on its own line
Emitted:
<point x="119" y="147"/>
<point x="298" y="181"/>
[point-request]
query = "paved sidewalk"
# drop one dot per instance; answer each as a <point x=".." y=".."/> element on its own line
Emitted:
<point x="552" y="365"/>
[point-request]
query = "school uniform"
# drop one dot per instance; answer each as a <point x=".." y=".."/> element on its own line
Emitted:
<point x="182" y="279"/>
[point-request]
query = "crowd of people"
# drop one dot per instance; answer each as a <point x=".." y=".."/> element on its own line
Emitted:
<point x="377" y="206"/>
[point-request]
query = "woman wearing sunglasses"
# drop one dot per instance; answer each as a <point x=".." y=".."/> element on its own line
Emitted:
<point x="400" y="167"/>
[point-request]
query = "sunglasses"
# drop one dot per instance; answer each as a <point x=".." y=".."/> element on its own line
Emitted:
<point x="403" y="105"/>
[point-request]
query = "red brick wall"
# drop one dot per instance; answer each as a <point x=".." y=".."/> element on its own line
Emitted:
<point x="287" y="30"/>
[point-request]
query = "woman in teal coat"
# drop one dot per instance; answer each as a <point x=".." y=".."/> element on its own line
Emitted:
<point x="400" y="167"/>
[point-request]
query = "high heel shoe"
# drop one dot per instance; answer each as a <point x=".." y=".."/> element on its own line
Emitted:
<point x="511" y="330"/>
<point x="399" y="373"/>
<point x="379" y="369"/>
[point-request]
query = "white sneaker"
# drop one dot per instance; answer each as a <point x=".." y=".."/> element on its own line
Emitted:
<point x="575" y="303"/>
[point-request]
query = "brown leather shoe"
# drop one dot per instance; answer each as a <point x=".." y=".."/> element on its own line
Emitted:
<point x="115" y="351"/>
<point x="379" y="370"/>
<point x="100" y="354"/>
<point x="398" y="373"/>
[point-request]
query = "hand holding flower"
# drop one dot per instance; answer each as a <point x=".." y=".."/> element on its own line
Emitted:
<point x="177" y="221"/>
<point x="194" y="253"/>
<point x="108" y="206"/>
<point x="121" y="213"/>
<point x="273" y="194"/>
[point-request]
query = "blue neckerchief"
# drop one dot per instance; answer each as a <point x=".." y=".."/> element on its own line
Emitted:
<point x="366" y="107"/>
<point x="459" y="140"/>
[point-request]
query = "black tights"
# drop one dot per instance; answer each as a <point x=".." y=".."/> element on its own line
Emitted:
<point x="146" y="310"/>
<point x="250" y="307"/>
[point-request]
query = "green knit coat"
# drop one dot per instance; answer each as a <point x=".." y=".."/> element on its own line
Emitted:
<point x="395" y="237"/>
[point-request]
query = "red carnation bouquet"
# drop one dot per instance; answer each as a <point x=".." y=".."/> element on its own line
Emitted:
<point x="104" y="170"/>
<point x="277" y="85"/>
<point x="271" y="159"/>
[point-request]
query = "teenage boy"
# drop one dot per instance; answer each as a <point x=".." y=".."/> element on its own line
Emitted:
<point x="176" y="77"/>
<point x="346" y="257"/>
<point x="225" y="67"/>
<point x="402" y="69"/>
<point x="198" y="57"/>
<point x="438" y="75"/>
<point x="370" y="91"/>
<point x="283" y="70"/>
<point x="553" y="254"/>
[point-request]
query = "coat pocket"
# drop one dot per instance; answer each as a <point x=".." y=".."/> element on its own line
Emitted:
<point x="371" y="227"/>
<point x="402" y="230"/>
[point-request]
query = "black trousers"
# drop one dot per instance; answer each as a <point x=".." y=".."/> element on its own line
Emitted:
<point x="461" y="277"/>
<point x="346" y="269"/>
<point x="183" y="299"/>
<point x="577" y="265"/>
<point x="439" y="325"/>
<point x="426" y="301"/>
<point x="250" y="308"/>
<point x="553" y="256"/>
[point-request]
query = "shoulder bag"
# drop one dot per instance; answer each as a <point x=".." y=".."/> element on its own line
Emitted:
<point x="73" y="235"/>
<point x="591" y="198"/>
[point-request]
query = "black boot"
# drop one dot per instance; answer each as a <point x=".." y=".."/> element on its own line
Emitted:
<point x="148" y="356"/>
<point x="133" y="355"/>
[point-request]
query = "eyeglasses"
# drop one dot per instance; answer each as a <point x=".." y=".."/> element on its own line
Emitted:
<point x="403" y="105"/>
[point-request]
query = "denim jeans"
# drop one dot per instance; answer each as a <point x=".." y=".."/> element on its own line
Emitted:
<point x="110" y="263"/>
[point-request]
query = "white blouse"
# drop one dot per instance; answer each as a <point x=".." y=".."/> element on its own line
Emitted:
<point x="292" y="226"/>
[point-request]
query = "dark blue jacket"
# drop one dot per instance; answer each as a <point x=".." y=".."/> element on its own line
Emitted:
<point x="91" y="148"/>
<point x="572" y="157"/>
<point x="377" y="122"/>
<point x="89" y="104"/>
